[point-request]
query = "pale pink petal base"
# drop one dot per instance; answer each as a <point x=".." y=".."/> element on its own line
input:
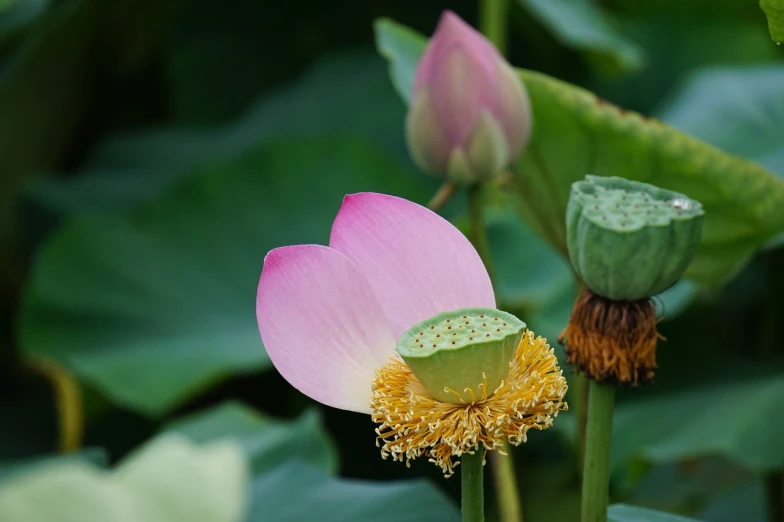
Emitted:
<point x="322" y="326"/>
<point x="417" y="263"/>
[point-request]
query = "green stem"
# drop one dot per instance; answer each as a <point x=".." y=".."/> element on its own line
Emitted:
<point x="507" y="495"/>
<point x="473" y="488"/>
<point x="442" y="195"/>
<point x="507" y="492"/>
<point x="492" y="22"/>
<point x="774" y="489"/>
<point x="477" y="235"/>
<point x="579" y="385"/>
<point x="68" y="399"/>
<point x="596" y="472"/>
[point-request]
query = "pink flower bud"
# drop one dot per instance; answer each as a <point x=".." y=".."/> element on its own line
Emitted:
<point x="469" y="115"/>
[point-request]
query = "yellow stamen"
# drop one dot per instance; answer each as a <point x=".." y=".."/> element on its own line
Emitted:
<point x="413" y="424"/>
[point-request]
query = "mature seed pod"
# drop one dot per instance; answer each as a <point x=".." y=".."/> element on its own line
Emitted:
<point x="629" y="240"/>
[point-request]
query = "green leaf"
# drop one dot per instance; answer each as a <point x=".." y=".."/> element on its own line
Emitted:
<point x="402" y="48"/>
<point x="42" y="93"/>
<point x="739" y="421"/>
<point x="266" y="442"/>
<point x="739" y="110"/>
<point x="624" y="513"/>
<point x="128" y="170"/>
<point x="583" y="25"/>
<point x="741" y="199"/>
<point x="292" y="462"/>
<point x="774" y="10"/>
<point x="528" y="270"/>
<point x="16" y="15"/>
<point x="169" y="479"/>
<point x="678" y="39"/>
<point x="747" y="501"/>
<point x="296" y="492"/>
<point x="121" y="300"/>
<point x="47" y="88"/>
<point x="95" y="456"/>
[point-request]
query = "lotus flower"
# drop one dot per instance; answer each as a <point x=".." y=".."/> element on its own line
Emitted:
<point x="469" y="115"/>
<point x="330" y="319"/>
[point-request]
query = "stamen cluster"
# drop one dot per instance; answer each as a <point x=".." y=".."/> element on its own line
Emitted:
<point x="413" y="424"/>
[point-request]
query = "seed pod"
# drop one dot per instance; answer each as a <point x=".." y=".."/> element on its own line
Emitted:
<point x="629" y="240"/>
<point x="461" y="353"/>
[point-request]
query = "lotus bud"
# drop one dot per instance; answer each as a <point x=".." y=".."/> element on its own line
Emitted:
<point x="469" y="116"/>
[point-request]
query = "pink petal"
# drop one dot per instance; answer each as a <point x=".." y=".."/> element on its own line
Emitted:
<point x="321" y="324"/>
<point x="450" y="33"/>
<point x="460" y="90"/>
<point x="459" y="66"/>
<point x="417" y="262"/>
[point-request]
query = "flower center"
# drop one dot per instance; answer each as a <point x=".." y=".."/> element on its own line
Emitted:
<point x="462" y="356"/>
<point x="412" y="423"/>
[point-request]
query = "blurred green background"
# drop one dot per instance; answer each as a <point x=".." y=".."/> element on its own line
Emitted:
<point x="152" y="153"/>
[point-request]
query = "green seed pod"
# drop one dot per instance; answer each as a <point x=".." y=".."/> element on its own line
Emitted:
<point x="629" y="240"/>
<point x="462" y="354"/>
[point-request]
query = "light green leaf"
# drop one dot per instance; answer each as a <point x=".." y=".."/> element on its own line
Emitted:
<point x="175" y="480"/>
<point x="121" y="300"/>
<point x="738" y="109"/>
<point x="575" y="133"/>
<point x="582" y="25"/>
<point x="402" y="48"/>
<point x="266" y="442"/>
<point x="95" y="456"/>
<point x="624" y="513"/>
<point x="774" y="10"/>
<point x="296" y="492"/>
<point x="739" y="421"/>
<point x="169" y="479"/>
<point x="285" y="488"/>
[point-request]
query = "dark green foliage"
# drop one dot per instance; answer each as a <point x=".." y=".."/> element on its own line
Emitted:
<point x="154" y="151"/>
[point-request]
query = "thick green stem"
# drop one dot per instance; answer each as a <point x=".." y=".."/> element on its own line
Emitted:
<point x="596" y="472"/>
<point x="492" y="21"/>
<point x="774" y="489"/>
<point x="507" y="492"/>
<point x="578" y="385"/>
<point x="473" y="488"/>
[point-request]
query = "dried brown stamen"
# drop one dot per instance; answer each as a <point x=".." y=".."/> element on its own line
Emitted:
<point x="612" y="341"/>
